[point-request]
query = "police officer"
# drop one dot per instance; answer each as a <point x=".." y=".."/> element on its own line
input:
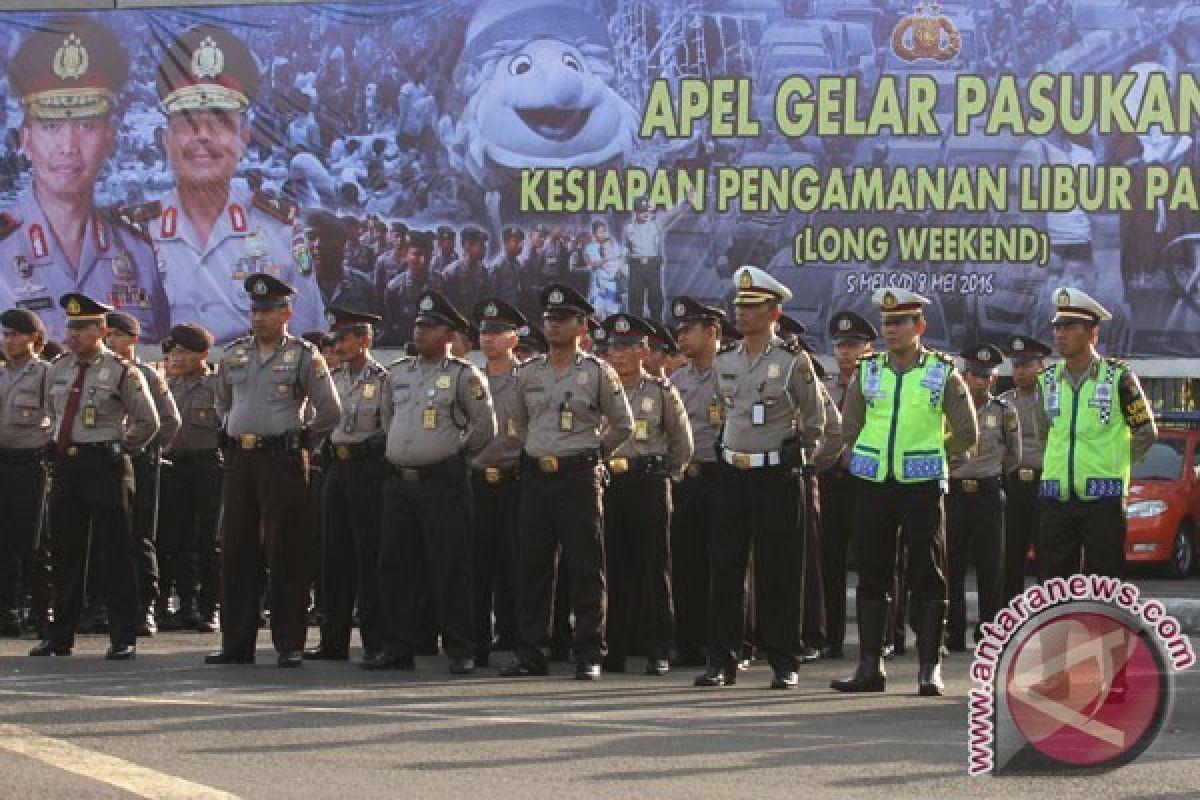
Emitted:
<point x="406" y="289"/>
<point x="644" y="236"/>
<point x="530" y="342"/>
<point x="893" y="424"/>
<point x="190" y="558"/>
<point x="438" y="414"/>
<point x="976" y="502"/>
<point x="699" y="332"/>
<point x="637" y="503"/>
<point x="466" y="280"/>
<point x="24" y="432"/>
<point x="265" y="382"/>
<point x="340" y="285"/>
<point x="571" y="413"/>
<point x="211" y="232"/>
<point x="1022" y="514"/>
<point x="506" y="273"/>
<point x="773" y="419"/>
<point x="494" y="486"/>
<point x="661" y="347"/>
<point x="1096" y="424"/>
<point x="852" y="336"/>
<point x="353" y="493"/>
<point x="123" y="333"/>
<point x="55" y="240"/>
<point x="102" y="413"/>
<point x="446" y="254"/>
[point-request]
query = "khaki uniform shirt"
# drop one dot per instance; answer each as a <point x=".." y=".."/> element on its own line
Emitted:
<point x="831" y="446"/>
<point x="434" y="409"/>
<point x="268" y="395"/>
<point x="698" y="389"/>
<point x="561" y="414"/>
<point x="164" y="404"/>
<point x="24" y="407"/>
<point x="114" y="404"/>
<point x="1033" y="436"/>
<point x="660" y="424"/>
<point x="505" y="449"/>
<point x="769" y="400"/>
<point x="998" y="450"/>
<point x="200" y="421"/>
<point x="361" y="393"/>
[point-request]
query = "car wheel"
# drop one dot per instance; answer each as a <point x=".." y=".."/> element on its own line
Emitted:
<point x="1183" y="553"/>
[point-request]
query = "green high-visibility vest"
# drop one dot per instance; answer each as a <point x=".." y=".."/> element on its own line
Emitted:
<point x="903" y="436"/>
<point x="1087" y="446"/>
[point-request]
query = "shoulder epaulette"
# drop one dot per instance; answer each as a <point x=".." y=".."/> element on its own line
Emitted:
<point x="940" y="356"/>
<point x="727" y="347"/>
<point x="399" y="361"/>
<point x="240" y="341"/>
<point x="277" y="207"/>
<point x="138" y="213"/>
<point x="8" y="225"/>
<point x="1116" y="362"/>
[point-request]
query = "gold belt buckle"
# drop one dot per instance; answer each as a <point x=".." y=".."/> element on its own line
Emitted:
<point x="619" y="466"/>
<point x="248" y="441"/>
<point x="72" y="450"/>
<point x="1026" y="474"/>
<point x="743" y="460"/>
<point x="410" y="474"/>
<point x="342" y="451"/>
<point x="548" y="463"/>
<point x="970" y="486"/>
<point x="492" y="474"/>
<point x="693" y="470"/>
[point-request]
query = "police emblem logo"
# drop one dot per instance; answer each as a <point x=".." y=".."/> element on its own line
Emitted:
<point x="71" y="59"/>
<point x="442" y="382"/>
<point x="647" y="405"/>
<point x="73" y="307"/>
<point x="621" y="325"/>
<point x="426" y="303"/>
<point x="1063" y="299"/>
<point x="207" y="60"/>
<point x="556" y="297"/>
<point x="983" y="355"/>
<point x="260" y="287"/>
<point x="122" y="268"/>
<point x="491" y="311"/>
<point x="523" y="330"/>
<point x="330" y="317"/>
<point x="889" y="300"/>
<point x="1018" y="345"/>
<point x="745" y="281"/>
<point x="680" y="309"/>
<point x="844" y="324"/>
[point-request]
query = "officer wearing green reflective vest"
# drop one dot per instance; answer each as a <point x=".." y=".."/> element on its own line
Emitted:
<point x="1096" y="425"/>
<point x="896" y="411"/>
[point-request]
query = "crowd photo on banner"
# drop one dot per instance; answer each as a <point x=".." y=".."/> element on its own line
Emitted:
<point x="595" y="437"/>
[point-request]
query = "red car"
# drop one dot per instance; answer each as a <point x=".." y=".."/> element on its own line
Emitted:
<point x="1164" y="498"/>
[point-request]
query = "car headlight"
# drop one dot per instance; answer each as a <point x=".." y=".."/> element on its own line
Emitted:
<point x="1145" y="508"/>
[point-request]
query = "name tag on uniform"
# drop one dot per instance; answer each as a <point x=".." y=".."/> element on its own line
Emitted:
<point x="758" y="413"/>
<point x="443" y="382"/>
<point x="641" y="430"/>
<point x="773" y="371"/>
<point x="714" y="411"/>
<point x="368" y="391"/>
<point x="89" y="416"/>
<point x="566" y="419"/>
<point x="429" y="418"/>
<point x="647" y="404"/>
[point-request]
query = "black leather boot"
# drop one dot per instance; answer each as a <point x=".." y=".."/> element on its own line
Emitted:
<point x="929" y="649"/>
<point x="870" y="675"/>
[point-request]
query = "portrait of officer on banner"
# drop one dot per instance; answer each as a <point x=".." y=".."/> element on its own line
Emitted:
<point x="212" y="230"/>
<point x="68" y="75"/>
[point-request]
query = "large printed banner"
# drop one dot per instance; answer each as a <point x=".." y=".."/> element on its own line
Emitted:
<point x="981" y="153"/>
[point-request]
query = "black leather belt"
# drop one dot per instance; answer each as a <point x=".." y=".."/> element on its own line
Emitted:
<point x="975" y="485"/>
<point x="254" y="442"/>
<point x="495" y="476"/>
<point x="193" y="456"/>
<point x="371" y="448"/>
<point x="21" y="456"/>
<point x="1027" y="474"/>
<point x="448" y="467"/>
<point x="88" y="448"/>
<point x="557" y="465"/>
<point x="701" y="469"/>
<point x="637" y="465"/>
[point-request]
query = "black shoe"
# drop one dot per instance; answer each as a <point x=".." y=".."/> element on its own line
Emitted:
<point x="49" y="648"/>
<point x="429" y="648"/>
<point x="900" y="647"/>
<point x="462" y="666"/>
<point x="929" y="681"/>
<point x="35" y="622"/>
<point x="587" y="671"/>
<point x="209" y="622"/>
<point x="956" y="644"/>
<point x="147" y="626"/>
<point x="226" y="657"/>
<point x="657" y="666"/>
<point x="520" y="669"/>
<point x="323" y="653"/>
<point x="716" y="676"/>
<point x="290" y="658"/>
<point x="121" y="652"/>
<point x="483" y="658"/>
<point x="189" y="617"/>
<point x="833" y="652"/>
<point x="869" y="677"/>
<point x="506" y="643"/>
<point x="785" y="679"/>
<point x="809" y="654"/>
<point x="169" y="623"/>
<point x="614" y="664"/>
<point x="371" y="655"/>
<point x="384" y="661"/>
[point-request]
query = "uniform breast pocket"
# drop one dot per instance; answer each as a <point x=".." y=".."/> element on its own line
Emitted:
<point x="108" y="403"/>
<point x="401" y="397"/>
<point x="535" y="399"/>
<point x="727" y="390"/>
<point x="235" y="376"/>
<point x="27" y="412"/>
<point x="282" y="389"/>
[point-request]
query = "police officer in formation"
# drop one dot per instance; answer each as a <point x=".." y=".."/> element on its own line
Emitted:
<point x="265" y="382"/>
<point x="124" y="331"/>
<point x="24" y="433"/>
<point x="893" y="421"/>
<point x="1021" y="515"/>
<point x="353" y="492"/>
<point x="103" y="414"/>
<point x="189" y="551"/>
<point x="976" y="502"/>
<point x="572" y="413"/>
<point x="437" y="412"/>
<point x="637" y="503"/>
<point x="773" y="417"/>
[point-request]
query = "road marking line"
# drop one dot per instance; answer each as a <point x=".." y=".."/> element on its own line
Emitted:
<point x="114" y="771"/>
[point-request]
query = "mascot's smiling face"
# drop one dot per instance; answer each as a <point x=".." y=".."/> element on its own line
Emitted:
<point x="544" y="105"/>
